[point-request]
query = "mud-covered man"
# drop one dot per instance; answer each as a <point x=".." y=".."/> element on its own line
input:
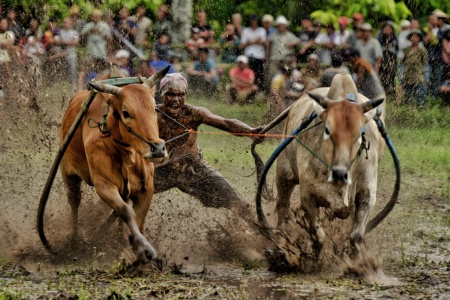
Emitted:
<point x="186" y="169"/>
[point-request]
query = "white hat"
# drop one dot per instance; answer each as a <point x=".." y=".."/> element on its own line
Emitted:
<point x="365" y="26"/>
<point x="440" y="14"/>
<point x="313" y="56"/>
<point x="122" y="53"/>
<point x="242" y="59"/>
<point x="267" y="18"/>
<point x="405" y="23"/>
<point x="281" y="20"/>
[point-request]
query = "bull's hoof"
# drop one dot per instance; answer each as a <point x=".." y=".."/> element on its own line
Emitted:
<point x="143" y="249"/>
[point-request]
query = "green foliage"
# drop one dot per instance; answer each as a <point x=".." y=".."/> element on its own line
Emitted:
<point x="44" y="9"/>
<point x="371" y="9"/>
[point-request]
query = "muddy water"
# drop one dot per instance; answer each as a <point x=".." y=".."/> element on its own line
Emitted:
<point x="188" y="235"/>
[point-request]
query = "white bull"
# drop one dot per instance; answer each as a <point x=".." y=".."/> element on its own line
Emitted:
<point x="342" y="172"/>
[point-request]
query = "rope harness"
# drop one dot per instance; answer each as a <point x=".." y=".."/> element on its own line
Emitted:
<point x="364" y="146"/>
<point x="104" y="129"/>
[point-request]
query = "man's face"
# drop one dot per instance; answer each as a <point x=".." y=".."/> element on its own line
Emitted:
<point x="201" y="17"/>
<point x="306" y="24"/>
<point x="173" y="101"/>
<point x="124" y="13"/>
<point x="366" y="34"/>
<point x="12" y="15"/>
<point x="281" y="27"/>
<point x="3" y="25"/>
<point x="67" y="23"/>
<point x="96" y="17"/>
<point x="203" y="56"/>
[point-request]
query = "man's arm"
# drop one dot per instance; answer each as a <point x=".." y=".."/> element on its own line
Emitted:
<point x="233" y="126"/>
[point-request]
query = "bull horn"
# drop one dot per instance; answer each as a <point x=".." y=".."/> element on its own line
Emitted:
<point x="366" y="106"/>
<point x="319" y="99"/>
<point x="155" y="78"/>
<point x="105" y="88"/>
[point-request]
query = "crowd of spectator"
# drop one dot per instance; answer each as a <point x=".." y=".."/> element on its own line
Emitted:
<point x="405" y="61"/>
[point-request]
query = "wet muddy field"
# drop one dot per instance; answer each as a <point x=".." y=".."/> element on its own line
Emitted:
<point x="203" y="252"/>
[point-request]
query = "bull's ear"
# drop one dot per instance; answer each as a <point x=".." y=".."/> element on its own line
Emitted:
<point x="321" y="100"/>
<point x="155" y="78"/>
<point x="105" y="88"/>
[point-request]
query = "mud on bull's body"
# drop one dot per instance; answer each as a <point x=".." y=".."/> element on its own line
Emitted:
<point x="336" y="176"/>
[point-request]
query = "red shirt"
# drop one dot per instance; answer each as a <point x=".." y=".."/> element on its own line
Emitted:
<point x="246" y="74"/>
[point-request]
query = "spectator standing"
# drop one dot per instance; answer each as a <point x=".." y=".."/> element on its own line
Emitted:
<point x="388" y="67"/>
<point x="325" y="41"/>
<point x="307" y="35"/>
<point x="97" y="34"/>
<point x="194" y="43"/>
<point x="126" y="28"/>
<point x="343" y="34"/>
<point x="366" y="79"/>
<point x="206" y="30"/>
<point x="229" y="44"/>
<point x="267" y="21"/>
<point x="143" y="28"/>
<point x="162" y="23"/>
<point x="33" y="52"/>
<point x="312" y="73"/>
<point x="236" y="19"/>
<point x="253" y="41"/>
<point x="355" y="34"/>
<point x="16" y="27"/>
<point x="77" y="22"/>
<point x="203" y="73"/>
<point x="415" y="59"/>
<point x="280" y="44"/>
<point x="444" y="89"/>
<point x="242" y="86"/>
<point x="121" y="61"/>
<point x="162" y="47"/>
<point x="34" y="30"/>
<point x="441" y="27"/>
<point x="403" y="43"/>
<point x="69" y="40"/>
<point x="431" y="43"/>
<point x="369" y="47"/>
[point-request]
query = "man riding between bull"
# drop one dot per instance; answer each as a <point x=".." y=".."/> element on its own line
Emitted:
<point x="186" y="169"/>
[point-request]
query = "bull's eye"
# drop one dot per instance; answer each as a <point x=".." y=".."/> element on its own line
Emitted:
<point x="126" y="114"/>
<point x="327" y="132"/>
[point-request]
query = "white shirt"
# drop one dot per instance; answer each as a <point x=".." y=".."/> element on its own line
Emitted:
<point x="96" y="43"/>
<point x="250" y="35"/>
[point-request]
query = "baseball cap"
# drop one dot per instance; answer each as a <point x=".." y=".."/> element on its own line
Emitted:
<point x="242" y="59"/>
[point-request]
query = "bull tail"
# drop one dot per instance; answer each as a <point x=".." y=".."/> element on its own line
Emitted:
<point x="390" y="205"/>
<point x="266" y="193"/>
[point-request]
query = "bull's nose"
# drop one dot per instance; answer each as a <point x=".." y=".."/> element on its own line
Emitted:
<point x="339" y="175"/>
<point x="158" y="150"/>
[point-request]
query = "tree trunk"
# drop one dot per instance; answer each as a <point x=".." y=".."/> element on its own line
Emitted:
<point x="181" y="22"/>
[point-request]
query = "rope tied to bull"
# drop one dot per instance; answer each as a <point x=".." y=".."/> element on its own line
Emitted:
<point x="102" y="126"/>
<point x="364" y="146"/>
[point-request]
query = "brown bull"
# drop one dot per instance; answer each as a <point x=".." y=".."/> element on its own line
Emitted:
<point x="120" y="164"/>
<point x="337" y="176"/>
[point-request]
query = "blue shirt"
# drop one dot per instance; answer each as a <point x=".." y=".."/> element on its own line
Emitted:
<point x="161" y="64"/>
